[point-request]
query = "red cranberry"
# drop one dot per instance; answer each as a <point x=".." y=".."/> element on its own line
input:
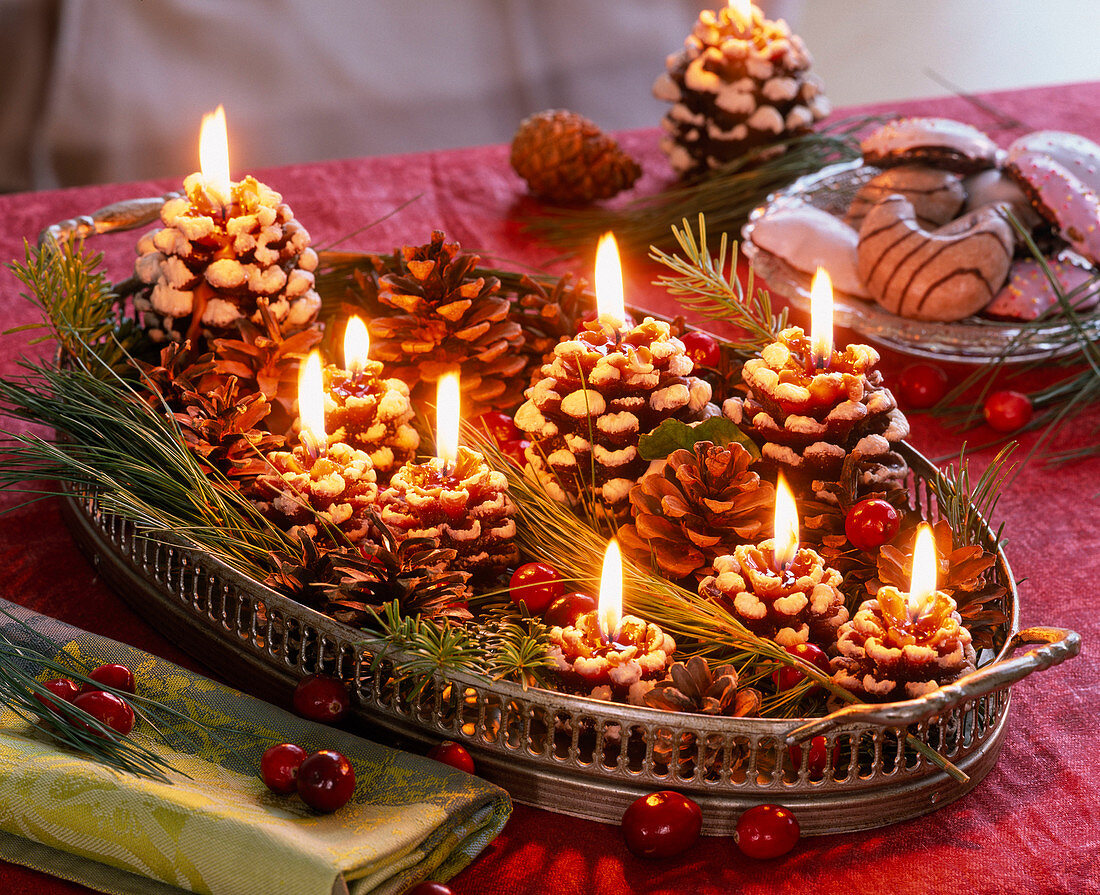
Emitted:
<point x="279" y="767"/>
<point x="515" y="449"/>
<point x="788" y="676"/>
<point x="107" y="709"/>
<point x="702" y="348"/>
<point x="921" y="386"/>
<point x="536" y="584"/>
<point x="815" y="761"/>
<point x="661" y="825"/>
<point x="118" y="677"/>
<point x="320" y="697"/>
<point x="564" y="611"/>
<point x="454" y="754"/>
<point x="1007" y="411"/>
<point x="326" y="780"/>
<point x="498" y="426"/>
<point x="61" y="687"/>
<point x="871" y="523"/>
<point x="430" y="888"/>
<point x="766" y="831"/>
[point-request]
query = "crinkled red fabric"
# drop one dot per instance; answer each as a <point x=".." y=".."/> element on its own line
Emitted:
<point x="1032" y="825"/>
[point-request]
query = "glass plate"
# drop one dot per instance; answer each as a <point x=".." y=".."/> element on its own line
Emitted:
<point x="975" y="339"/>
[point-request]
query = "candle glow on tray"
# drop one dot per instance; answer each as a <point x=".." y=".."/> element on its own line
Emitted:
<point x="447" y="418"/>
<point x="611" y="592"/>
<point x="214" y="155"/>
<point x="786" y="527"/>
<point x="311" y="405"/>
<point x="922" y="586"/>
<point x="821" y="319"/>
<point x="356" y="346"/>
<point x="610" y="302"/>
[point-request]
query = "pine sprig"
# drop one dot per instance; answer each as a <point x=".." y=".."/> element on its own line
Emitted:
<point x="709" y="285"/>
<point x="516" y="647"/>
<point x="967" y="507"/>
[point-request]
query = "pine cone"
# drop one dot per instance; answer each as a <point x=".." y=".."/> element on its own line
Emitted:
<point x="566" y="158"/>
<point x="692" y="687"/>
<point x="965" y="573"/>
<point x="442" y="318"/>
<point x="733" y="91"/>
<point x="177" y="374"/>
<point x="210" y="264"/>
<point x="302" y="574"/>
<point x="547" y="317"/>
<point x="697" y="507"/>
<point x="266" y="359"/>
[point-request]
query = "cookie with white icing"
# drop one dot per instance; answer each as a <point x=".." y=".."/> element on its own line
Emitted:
<point x="940" y="142"/>
<point x="936" y="195"/>
<point x="806" y="238"/>
<point x="945" y="274"/>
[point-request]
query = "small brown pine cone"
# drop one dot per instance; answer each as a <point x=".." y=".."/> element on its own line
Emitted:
<point x="303" y="494"/>
<point x="371" y="414"/>
<point x="210" y="264"/>
<point x="698" y="506"/>
<point x="734" y="90"/>
<point x="443" y="318"/>
<point x="566" y="158"/>
<point x="693" y="687"/>
<point x="803" y="605"/>
<point x="596" y="398"/>
<point x="548" y="315"/>
<point x="885" y="655"/>
<point x="465" y="508"/>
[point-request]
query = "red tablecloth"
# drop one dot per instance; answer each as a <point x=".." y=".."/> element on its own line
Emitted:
<point x="1032" y="825"/>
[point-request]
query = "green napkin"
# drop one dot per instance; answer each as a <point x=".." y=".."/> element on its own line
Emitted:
<point x="222" y="831"/>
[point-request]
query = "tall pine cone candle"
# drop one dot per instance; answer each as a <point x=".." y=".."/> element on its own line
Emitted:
<point x="223" y="246"/>
<point x="741" y="82"/>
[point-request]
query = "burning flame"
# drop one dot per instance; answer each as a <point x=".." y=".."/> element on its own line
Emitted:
<point x="609" y="281"/>
<point x="311" y="405"/>
<point x="356" y="345"/>
<point x="741" y="12"/>
<point x="821" y="318"/>
<point x="446" y="418"/>
<point x="922" y="587"/>
<point x="214" y="154"/>
<point x="786" y="526"/>
<point x="610" y="611"/>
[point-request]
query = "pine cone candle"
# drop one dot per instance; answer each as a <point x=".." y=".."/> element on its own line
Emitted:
<point x="566" y="158"/>
<point x="892" y="651"/>
<point x="698" y="506"/>
<point x="736" y="86"/>
<point x="464" y="506"/>
<point x="371" y="414"/>
<point x="807" y="420"/>
<point x="301" y="493"/>
<point x="600" y="393"/>
<point x="442" y="318"/>
<point x="212" y="261"/>
<point x="802" y="604"/>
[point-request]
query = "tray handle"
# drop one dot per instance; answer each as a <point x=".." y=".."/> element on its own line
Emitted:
<point x="125" y="215"/>
<point x="1059" y="644"/>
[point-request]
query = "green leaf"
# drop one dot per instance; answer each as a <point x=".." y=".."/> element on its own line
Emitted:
<point x="672" y="435"/>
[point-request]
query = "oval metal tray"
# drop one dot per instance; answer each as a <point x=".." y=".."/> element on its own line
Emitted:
<point x="974" y="340"/>
<point x="571" y="754"/>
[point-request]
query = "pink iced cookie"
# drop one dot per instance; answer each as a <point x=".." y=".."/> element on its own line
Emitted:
<point x="1062" y="199"/>
<point x="1080" y="157"/>
<point x="1028" y="294"/>
<point x="939" y="142"/>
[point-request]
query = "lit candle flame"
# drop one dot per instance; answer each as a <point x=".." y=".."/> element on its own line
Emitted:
<point x="446" y="419"/>
<point x="214" y="154"/>
<point x="610" y="609"/>
<point x="741" y="12"/>
<point x="821" y="319"/>
<point x="356" y="346"/>
<point x="610" y="303"/>
<point x="786" y="526"/>
<point x="922" y="586"/>
<point x="311" y="405"/>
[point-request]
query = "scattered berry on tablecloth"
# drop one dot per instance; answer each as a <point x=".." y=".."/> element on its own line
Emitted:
<point x="766" y="831"/>
<point x="871" y="523"/>
<point x="922" y="385"/>
<point x="61" y="687"/>
<point x="321" y="697"/>
<point x="454" y="754"/>
<point x="430" y="888"/>
<point x="279" y="767"/>
<point x="118" y="677"/>
<point x="1007" y="411"/>
<point x="326" y="780"/>
<point x="537" y="585"/>
<point x="108" y="709"/>
<point x="661" y="824"/>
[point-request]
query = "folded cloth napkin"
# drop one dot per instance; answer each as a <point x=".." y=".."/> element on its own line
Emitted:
<point x="215" y="827"/>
